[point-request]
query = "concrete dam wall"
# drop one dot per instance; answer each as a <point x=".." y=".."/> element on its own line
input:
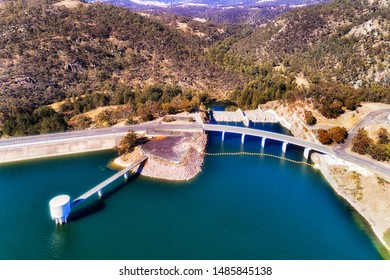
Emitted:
<point x="58" y="147"/>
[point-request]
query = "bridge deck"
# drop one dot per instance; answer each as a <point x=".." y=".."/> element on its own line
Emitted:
<point x="269" y="135"/>
<point x="109" y="180"/>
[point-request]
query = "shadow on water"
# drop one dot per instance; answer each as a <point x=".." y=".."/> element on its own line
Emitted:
<point x="114" y="190"/>
<point x="91" y="208"/>
<point x="99" y="205"/>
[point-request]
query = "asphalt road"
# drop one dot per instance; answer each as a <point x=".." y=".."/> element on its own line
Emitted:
<point x="71" y="135"/>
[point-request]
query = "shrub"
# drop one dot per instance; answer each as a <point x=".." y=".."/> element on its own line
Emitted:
<point x="383" y="136"/>
<point x="168" y="119"/>
<point x="324" y="137"/>
<point x="338" y="134"/>
<point x="361" y="142"/>
<point x="378" y="152"/>
<point x="310" y="119"/>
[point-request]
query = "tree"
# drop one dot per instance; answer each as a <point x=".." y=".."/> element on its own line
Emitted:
<point x="378" y="152"/>
<point x="324" y="137"/>
<point x="361" y="142"/>
<point x="338" y="134"/>
<point x="128" y="143"/>
<point x="383" y="136"/>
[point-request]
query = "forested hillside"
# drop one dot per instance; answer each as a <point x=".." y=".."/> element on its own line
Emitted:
<point x="49" y="53"/>
<point x="335" y="55"/>
<point x="347" y="41"/>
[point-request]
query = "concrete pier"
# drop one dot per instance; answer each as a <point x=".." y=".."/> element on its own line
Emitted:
<point x="306" y="153"/>
<point x="284" y="147"/>
<point x="126" y="176"/>
<point x="243" y="138"/>
<point x="223" y="136"/>
<point x="263" y="142"/>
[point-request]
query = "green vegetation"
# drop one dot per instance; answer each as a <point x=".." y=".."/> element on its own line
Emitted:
<point x="41" y="120"/>
<point x="310" y="119"/>
<point x="386" y="236"/>
<point x="129" y="142"/>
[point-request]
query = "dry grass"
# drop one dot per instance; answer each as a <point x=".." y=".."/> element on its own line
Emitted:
<point x="374" y="129"/>
<point x="302" y="81"/>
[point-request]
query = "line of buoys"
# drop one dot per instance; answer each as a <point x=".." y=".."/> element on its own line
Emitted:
<point x="259" y="154"/>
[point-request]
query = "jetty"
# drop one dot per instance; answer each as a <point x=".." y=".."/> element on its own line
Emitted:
<point x="61" y="206"/>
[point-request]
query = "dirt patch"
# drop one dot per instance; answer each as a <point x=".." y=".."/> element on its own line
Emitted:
<point x="172" y="148"/>
<point x="71" y="4"/>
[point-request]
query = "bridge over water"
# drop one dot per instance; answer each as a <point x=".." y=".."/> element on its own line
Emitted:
<point x="99" y="188"/>
<point x="286" y="139"/>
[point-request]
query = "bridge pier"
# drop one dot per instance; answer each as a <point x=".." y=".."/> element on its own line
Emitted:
<point x="243" y="139"/>
<point x="100" y="193"/>
<point x="223" y="136"/>
<point x="263" y="142"/>
<point x="284" y="147"/>
<point x="306" y="153"/>
<point x="126" y="176"/>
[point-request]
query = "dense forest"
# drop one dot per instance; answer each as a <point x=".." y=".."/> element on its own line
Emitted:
<point x="98" y="55"/>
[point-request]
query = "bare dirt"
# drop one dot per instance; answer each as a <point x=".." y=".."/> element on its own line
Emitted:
<point x="71" y="4"/>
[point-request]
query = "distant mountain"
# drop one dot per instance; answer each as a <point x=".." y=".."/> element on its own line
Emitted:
<point x="253" y="12"/>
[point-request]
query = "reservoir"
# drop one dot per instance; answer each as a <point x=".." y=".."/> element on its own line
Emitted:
<point x="239" y="207"/>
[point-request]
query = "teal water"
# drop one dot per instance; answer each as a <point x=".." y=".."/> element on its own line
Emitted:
<point x="239" y="207"/>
